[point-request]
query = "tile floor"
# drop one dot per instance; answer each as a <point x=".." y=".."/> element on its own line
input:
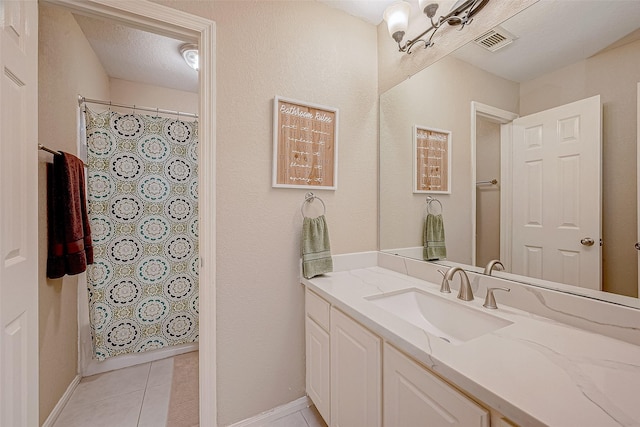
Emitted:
<point x="139" y="397"/>
<point x="308" y="417"/>
<point x="131" y="397"/>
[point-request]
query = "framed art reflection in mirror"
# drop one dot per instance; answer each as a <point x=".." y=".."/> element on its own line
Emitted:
<point x="432" y="160"/>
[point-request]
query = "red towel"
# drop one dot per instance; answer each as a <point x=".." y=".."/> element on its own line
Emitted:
<point x="70" y="248"/>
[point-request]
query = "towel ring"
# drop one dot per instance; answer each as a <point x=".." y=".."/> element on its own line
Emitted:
<point x="431" y="200"/>
<point x="309" y="198"/>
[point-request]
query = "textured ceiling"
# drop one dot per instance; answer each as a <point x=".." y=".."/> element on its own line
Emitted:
<point x="554" y="34"/>
<point x="559" y="31"/>
<point x="370" y="11"/>
<point x="138" y="56"/>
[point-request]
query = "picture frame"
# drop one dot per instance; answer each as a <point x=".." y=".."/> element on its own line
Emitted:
<point x="431" y="160"/>
<point x="305" y="145"/>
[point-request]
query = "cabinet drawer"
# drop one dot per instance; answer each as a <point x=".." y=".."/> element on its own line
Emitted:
<point x="317" y="309"/>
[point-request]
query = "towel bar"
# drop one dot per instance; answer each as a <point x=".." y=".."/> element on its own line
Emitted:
<point x="48" y="150"/>
<point x="54" y="152"/>
<point x="309" y="198"/>
<point x="431" y="200"/>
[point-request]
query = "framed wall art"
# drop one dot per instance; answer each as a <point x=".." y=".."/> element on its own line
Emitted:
<point x="305" y="145"/>
<point x="431" y="160"/>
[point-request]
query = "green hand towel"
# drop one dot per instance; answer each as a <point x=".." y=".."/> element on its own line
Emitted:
<point x="316" y="251"/>
<point x="434" y="245"/>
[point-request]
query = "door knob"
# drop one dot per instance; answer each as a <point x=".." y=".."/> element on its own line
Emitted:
<point x="587" y="241"/>
<point x="637" y="245"/>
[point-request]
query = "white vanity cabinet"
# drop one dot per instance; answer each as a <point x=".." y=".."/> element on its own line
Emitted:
<point x="317" y="352"/>
<point x="414" y="397"/>
<point x="350" y="384"/>
<point x="355" y="374"/>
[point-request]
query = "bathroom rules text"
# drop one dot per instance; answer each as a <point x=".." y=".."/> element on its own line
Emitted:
<point x="304" y="145"/>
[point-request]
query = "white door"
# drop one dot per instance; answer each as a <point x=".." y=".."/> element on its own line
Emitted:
<point x="557" y="194"/>
<point x="18" y="214"/>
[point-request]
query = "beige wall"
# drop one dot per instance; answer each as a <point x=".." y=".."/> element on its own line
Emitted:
<point x="395" y="67"/>
<point x="431" y="98"/>
<point x="308" y="51"/>
<point x="67" y="67"/>
<point x="134" y="93"/>
<point x="611" y="75"/>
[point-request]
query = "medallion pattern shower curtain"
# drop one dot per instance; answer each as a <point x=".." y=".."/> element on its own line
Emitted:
<point x="143" y="210"/>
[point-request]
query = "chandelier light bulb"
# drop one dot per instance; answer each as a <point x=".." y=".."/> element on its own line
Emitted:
<point x="397" y="18"/>
<point x="429" y="7"/>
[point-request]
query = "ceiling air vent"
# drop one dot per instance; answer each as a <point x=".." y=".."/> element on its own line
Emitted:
<point x="495" y="39"/>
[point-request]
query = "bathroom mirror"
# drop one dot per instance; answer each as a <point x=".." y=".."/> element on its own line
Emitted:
<point x="555" y="53"/>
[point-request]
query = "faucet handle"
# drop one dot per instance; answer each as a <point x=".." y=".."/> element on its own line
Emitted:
<point x="490" y="300"/>
<point x="444" y="287"/>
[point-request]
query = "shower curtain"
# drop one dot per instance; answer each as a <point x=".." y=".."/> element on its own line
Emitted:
<point x="143" y="211"/>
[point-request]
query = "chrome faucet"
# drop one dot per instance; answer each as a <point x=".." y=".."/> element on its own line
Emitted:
<point x="491" y="265"/>
<point x="465" y="293"/>
<point x="490" y="300"/>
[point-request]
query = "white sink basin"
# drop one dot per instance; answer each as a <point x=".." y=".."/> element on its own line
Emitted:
<point x="450" y="320"/>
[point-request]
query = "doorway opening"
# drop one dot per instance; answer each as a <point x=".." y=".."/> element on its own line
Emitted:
<point x="490" y="126"/>
<point x="162" y="20"/>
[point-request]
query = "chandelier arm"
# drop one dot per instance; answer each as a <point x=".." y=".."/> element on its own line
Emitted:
<point x="465" y="23"/>
<point x="467" y="9"/>
<point x="427" y="43"/>
<point x="407" y="46"/>
<point x="460" y="9"/>
<point x="435" y="24"/>
<point x="430" y="43"/>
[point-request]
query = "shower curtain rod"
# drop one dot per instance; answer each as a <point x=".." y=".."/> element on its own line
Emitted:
<point x="83" y="100"/>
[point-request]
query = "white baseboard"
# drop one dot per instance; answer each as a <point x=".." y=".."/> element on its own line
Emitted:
<point x="93" y="367"/>
<point x="275" y="413"/>
<point x="55" y="413"/>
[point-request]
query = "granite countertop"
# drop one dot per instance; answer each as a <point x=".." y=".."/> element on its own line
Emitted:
<point x="535" y="371"/>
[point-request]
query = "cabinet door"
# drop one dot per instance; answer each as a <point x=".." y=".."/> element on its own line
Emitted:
<point x="355" y="374"/>
<point x="414" y="397"/>
<point x="317" y="343"/>
<point x="497" y="420"/>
